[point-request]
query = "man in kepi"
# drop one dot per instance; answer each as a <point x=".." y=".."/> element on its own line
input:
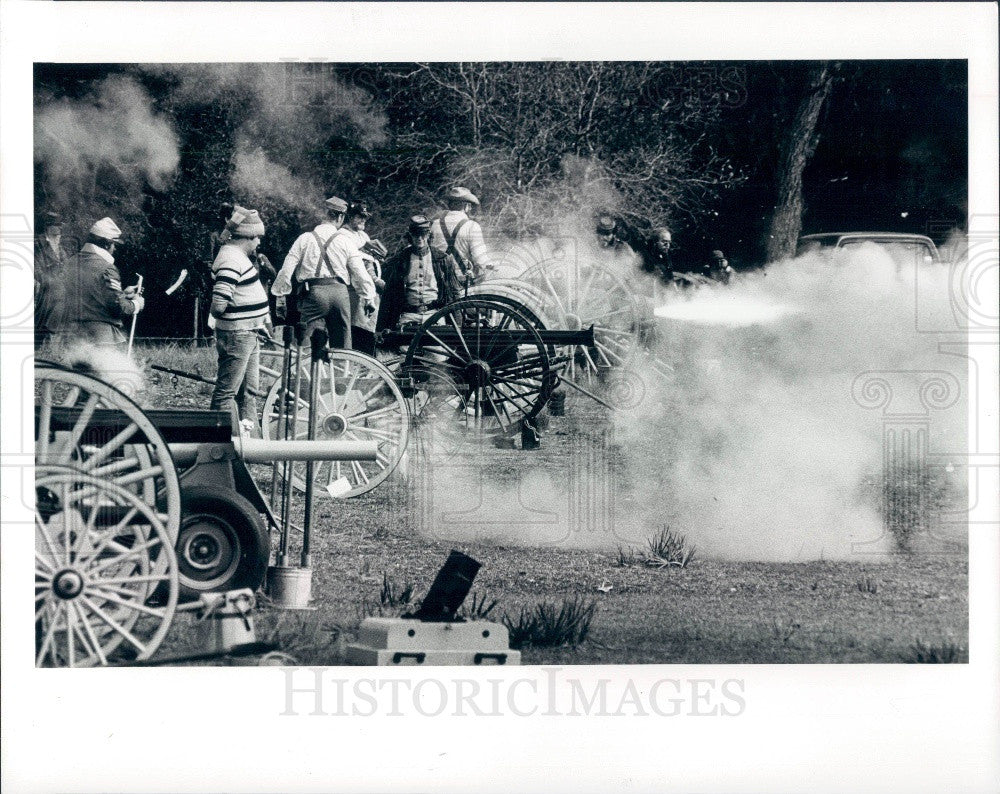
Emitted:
<point x="322" y="265"/>
<point x="415" y="280"/>
<point x="460" y="239"/>
<point x="96" y="306"/>
<point x="50" y="278"/>
<point x="240" y="309"/>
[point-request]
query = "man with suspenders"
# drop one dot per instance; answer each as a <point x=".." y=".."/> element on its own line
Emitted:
<point x="323" y="265"/>
<point x="460" y="239"/>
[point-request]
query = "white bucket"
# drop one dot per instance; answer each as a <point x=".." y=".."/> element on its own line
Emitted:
<point x="290" y="587"/>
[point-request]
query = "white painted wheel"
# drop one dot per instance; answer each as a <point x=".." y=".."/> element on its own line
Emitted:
<point x="106" y="579"/>
<point x="359" y="401"/>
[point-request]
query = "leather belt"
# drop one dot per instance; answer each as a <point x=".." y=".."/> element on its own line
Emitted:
<point x="320" y="282"/>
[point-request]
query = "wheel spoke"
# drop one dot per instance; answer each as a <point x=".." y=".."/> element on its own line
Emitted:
<point x="86" y="413"/>
<point x="49" y="634"/>
<point x="115" y="443"/>
<point x="112" y="596"/>
<point x="90" y="633"/>
<point x="447" y="347"/>
<point x="135" y="551"/>
<point x="129" y="637"/>
<point x="458" y="330"/>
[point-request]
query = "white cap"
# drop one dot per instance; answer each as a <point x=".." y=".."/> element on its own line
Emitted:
<point x="106" y="229"/>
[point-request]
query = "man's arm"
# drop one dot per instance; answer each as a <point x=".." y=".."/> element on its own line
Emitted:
<point x="283" y="281"/>
<point x="478" y="257"/>
<point x="360" y="279"/>
<point x="117" y="303"/>
<point x="225" y="276"/>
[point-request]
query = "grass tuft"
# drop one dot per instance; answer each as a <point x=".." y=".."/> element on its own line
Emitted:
<point x="394" y="595"/>
<point x="627" y="557"/>
<point x="867" y="585"/>
<point x="550" y="625"/>
<point x="664" y="549"/>
<point x="944" y="652"/>
<point x="476" y="607"/>
<point x="668" y="548"/>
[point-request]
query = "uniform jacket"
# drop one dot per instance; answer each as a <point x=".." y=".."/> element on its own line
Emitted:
<point x="94" y="289"/>
<point x="50" y="280"/>
<point x="394" y="272"/>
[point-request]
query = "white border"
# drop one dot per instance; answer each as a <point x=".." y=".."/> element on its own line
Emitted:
<point x="816" y="728"/>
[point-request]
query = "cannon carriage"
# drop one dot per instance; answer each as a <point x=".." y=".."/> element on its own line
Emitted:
<point x="138" y="512"/>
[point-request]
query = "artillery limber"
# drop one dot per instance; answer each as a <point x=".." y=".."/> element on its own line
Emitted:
<point x="137" y="511"/>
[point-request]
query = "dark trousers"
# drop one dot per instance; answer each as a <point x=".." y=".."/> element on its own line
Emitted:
<point x="326" y="306"/>
<point x="363" y="340"/>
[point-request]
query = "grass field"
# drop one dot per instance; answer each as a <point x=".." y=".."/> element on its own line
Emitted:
<point x="377" y="553"/>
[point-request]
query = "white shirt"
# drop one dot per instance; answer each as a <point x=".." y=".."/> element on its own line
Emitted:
<point x="305" y="260"/>
<point x="469" y="242"/>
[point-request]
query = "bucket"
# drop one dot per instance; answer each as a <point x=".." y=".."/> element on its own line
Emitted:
<point x="290" y="587"/>
<point x="225" y="621"/>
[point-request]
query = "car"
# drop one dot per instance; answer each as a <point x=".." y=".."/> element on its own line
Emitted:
<point x="900" y="246"/>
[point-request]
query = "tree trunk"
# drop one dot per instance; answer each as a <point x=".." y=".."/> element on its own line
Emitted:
<point x="799" y="145"/>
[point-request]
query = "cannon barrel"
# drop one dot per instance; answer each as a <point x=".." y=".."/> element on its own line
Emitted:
<point x="186" y="430"/>
<point x="505" y="336"/>
<point x="256" y="450"/>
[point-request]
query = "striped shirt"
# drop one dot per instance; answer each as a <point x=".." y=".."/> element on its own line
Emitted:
<point x="237" y="287"/>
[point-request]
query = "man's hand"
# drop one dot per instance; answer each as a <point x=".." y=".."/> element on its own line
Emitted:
<point x="131" y="292"/>
<point x="379" y="286"/>
<point x="138" y="301"/>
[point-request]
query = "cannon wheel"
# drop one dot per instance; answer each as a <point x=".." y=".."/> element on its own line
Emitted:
<point x="501" y="383"/>
<point x="573" y="295"/>
<point x="126" y="450"/>
<point x="358" y="400"/>
<point x="222" y="544"/>
<point x="100" y="554"/>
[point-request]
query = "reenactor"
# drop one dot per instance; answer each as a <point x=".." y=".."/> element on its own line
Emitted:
<point x="416" y="279"/>
<point x="95" y="303"/>
<point x="460" y="239"/>
<point x="322" y="264"/>
<point x="50" y="278"/>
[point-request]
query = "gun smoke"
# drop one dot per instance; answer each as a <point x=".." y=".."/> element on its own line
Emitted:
<point x="114" y="135"/>
<point x="749" y="437"/>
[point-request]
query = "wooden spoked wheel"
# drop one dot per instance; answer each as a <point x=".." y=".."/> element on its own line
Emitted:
<point x="92" y="428"/>
<point x="358" y="400"/>
<point x="572" y="295"/>
<point x="106" y="578"/>
<point x="495" y="355"/>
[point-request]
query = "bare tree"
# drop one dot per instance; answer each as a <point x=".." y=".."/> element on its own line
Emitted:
<point x="539" y="138"/>
<point x="797" y="148"/>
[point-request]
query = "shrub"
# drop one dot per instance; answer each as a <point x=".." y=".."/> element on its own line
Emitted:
<point x="668" y="548"/>
<point x="549" y="625"/>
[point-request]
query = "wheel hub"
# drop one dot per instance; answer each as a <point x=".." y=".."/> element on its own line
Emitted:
<point x="335" y="424"/>
<point x="477" y="373"/>
<point x="573" y="322"/>
<point x="67" y="584"/>
<point x="203" y="549"/>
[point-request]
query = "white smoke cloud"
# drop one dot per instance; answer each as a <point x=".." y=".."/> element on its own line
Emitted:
<point x="749" y="438"/>
<point x="254" y="174"/>
<point x="115" y="128"/>
<point x="760" y="447"/>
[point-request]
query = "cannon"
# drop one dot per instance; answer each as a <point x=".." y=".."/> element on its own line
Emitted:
<point x="137" y="511"/>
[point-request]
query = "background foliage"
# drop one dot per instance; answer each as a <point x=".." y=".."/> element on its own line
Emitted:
<point x="696" y="146"/>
